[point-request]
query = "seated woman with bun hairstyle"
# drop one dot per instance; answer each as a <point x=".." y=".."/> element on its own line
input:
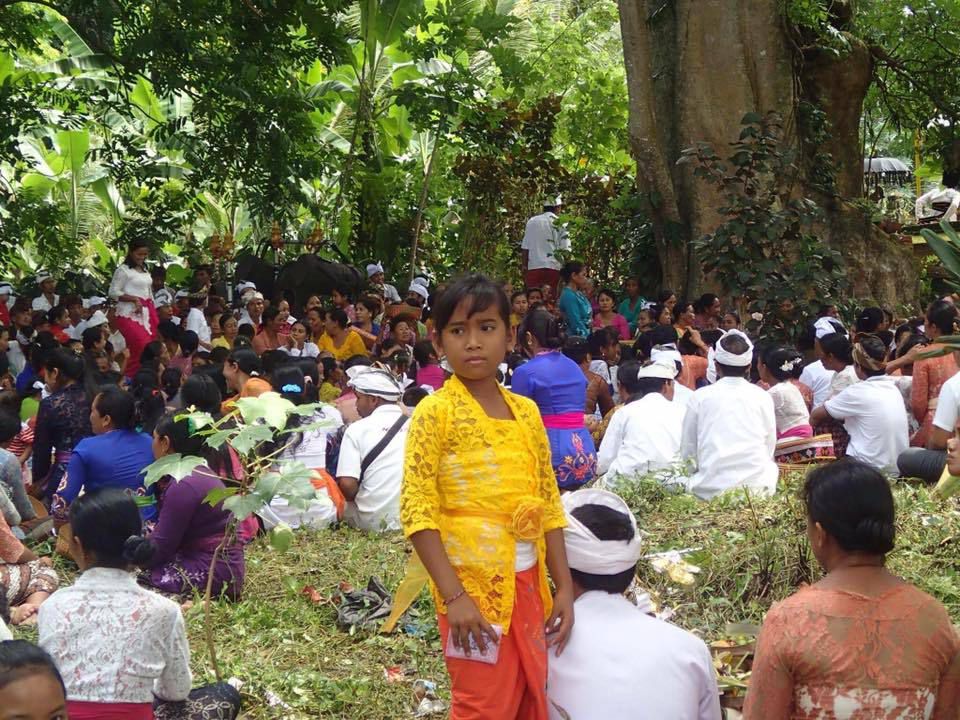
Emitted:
<point x="861" y="642"/>
<point x="122" y="650"/>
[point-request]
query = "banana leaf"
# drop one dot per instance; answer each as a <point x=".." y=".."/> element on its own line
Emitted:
<point x="947" y="249"/>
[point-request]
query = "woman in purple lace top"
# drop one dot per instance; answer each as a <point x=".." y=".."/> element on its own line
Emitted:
<point x="188" y="529"/>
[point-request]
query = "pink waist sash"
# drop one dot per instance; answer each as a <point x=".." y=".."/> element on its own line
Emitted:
<point x="800" y="431"/>
<point x="109" y="711"/>
<point x="564" y="421"/>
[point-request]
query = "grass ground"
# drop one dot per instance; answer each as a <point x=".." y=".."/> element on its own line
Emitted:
<point x="284" y="645"/>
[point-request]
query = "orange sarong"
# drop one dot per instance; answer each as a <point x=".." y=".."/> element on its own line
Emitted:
<point x="516" y="687"/>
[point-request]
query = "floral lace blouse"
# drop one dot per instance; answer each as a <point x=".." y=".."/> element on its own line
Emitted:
<point x="486" y="485"/>
<point x="829" y="654"/>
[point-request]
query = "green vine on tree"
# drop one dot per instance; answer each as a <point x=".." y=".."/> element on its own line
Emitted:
<point x="765" y="253"/>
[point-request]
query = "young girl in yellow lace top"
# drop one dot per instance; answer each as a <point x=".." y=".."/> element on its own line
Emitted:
<point x="481" y="506"/>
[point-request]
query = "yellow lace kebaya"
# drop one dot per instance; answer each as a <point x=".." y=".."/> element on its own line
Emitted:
<point x="484" y="484"/>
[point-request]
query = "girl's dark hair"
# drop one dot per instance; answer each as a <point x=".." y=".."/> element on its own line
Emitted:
<point x="627" y="377"/>
<point x="665" y="295"/>
<point x="705" y="302"/>
<point x="107" y="523"/>
<point x="20" y="659"/>
<point x="90" y="337"/>
<point x="270" y="314"/>
<point x="478" y="293"/>
<point x="247" y="360"/>
<point x="543" y="327"/>
<point x="853" y="502"/>
<point x="189" y="343"/>
<point x="869" y="320"/>
<point x="169" y="330"/>
<point x="911" y="342"/>
<point x="656" y="310"/>
<point x="201" y="391"/>
<point x="571" y="268"/>
<point x="599" y="340"/>
<point x="68" y="363"/>
<point x="56" y="313"/>
<point x="151" y="354"/>
<point x="339" y="316"/>
<point x="423" y="350"/>
<point x="118" y="405"/>
<point x="10" y="425"/>
<point x="181" y="438"/>
<point x="413" y="395"/>
<point x="328" y="364"/>
<point x="290" y="377"/>
<point x="609" y="293"/>
<point x="403" y="318"/>
<point x="357" y="360"/>
<point x="170" y="381"/>
<point x="838" y="345"/>
<point x="145" y="389"/>
<point x="577" y="349"/>
<point x="735" y="315"/>
<point x="942" y="315"/>
<point x="136" y="244"/>
<point x="776" y="358"/>
<point x="311" y="376"/>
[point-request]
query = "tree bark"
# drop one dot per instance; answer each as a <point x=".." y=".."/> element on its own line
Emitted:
<point x="694" y="69"/>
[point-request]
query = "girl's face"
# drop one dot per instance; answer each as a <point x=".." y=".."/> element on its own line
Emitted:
<point x="312" y="302"/>
<point x="633" y="288"/>
<point x="339" y="300"/>
<point x="644" y="318"/>
<point x="403" y="333"/>
<point x="475" y="345"/>
<point x="231" y="373"/>
<point x="362" y="314"/>
<point x="284" y="308"/>
<point x="605" y="302"/>
<point x="299" y="333"/>
<point x="729" y="322"/>
<point x="534" y="296"/>
<point x="611" y="353"/>
<point x="36" y="696"/>
<point x="139" y="256"/>
<point x="332" y="327"/>
<point x="520" y="305"/>
<point x="316" y="322"/>
<point x="688" y="316"/>
<point x="103" y="364"/>
<point x="665" y="316"/>
<point x="671" y="301"/>
<point x="229" y="327"/>
<point x="215" y="329"/>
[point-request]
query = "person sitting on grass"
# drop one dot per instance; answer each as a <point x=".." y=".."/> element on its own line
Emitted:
<point x="730" y="430"/>
<point x="777" y="367"/>
<point x="26" y="580"/>
<point x="123" y="650"/>
<point x="31" y="687"/>
<point x="189" y="530"/>
<point x="11" y="478"/>
<point x="861" y="639"/>
<point x="636" y="661"/>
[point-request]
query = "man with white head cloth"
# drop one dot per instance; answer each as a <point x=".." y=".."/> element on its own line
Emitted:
<point x="370" y="468"/>
<point x="815" y="376"/>
<point x="375" y="277"/>
<point x="730" y="431"/>
<point x="621" y="663"/>
<point x="668" y="354"/>
<point x="644" y="435"/>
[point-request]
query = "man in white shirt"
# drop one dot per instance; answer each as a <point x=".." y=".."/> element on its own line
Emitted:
<point x="939" y="204"/>
<point x="370" y="468"/>
<point x="670" y="354"/>
<point x="872" y="410"/>
<point x="644" y="435"/>
<point x="375" y="277"/>
<point x="48" y="299"/>
<point x="621" y="663"/>
<point x="162" y="295"/>
<point x="541" y="240"/>
<point x="815" y="376"/>
<point x="730" y="431"/>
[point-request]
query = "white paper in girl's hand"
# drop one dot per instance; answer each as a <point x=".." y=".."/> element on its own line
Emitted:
<point x="489" y="657"/>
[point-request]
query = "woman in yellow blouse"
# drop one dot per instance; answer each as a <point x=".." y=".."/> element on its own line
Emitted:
<point x="338" y="339"/>
<point x="229" y="327"/>
<point x="481" y="506"/>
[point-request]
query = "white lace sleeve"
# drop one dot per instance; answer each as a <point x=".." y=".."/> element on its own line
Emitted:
<point x="175" y="682"/>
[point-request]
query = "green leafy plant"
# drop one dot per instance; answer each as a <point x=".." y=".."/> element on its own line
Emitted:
<point x="947" y="249"/>
<point x="247" y="429"/>
<point x="765" y="252"/>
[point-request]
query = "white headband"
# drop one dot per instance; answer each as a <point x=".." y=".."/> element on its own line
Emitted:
<point x="419" y="290"/>
<point x="373" y="269"/>
<point x="663" y="354"/>
<point x="96" y="320"/>
<point x="725" y="357"/>
<point x="662" y="369"/>
<point x="586" y="552"/>
<point x="827" y="326"/>
<point x="374" y="381"/>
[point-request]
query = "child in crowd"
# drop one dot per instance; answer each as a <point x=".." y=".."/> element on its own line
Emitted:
<point x="30" y="684"/>
<point x="487" y="546"/>
<point x="330" y="387"/>
<point x="298" y="343"/>
<point x="429" y="371"/>
<point x="777" y="367"/>
<point x="519" y="304"/>
<point x="730" y="321"/>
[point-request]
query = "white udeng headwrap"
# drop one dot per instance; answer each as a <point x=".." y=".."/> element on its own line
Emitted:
<point x="373" y="269"/>
<point x="374" y="381"/>
<point x="724" y="357"/>
<point x="827" y="326"/>
<point x="587" y="553"/>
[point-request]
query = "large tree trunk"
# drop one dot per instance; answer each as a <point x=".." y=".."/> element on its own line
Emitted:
<point x="694" y="69"/>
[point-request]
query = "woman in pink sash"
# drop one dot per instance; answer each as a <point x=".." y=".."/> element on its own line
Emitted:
<point x="132" y="289"/>
<point x="558" y="386"/>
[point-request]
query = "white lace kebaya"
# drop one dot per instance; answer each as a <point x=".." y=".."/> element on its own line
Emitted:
<point x="116" y="642"/>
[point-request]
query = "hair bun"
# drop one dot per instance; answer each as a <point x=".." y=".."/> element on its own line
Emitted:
<point x="874" y="536"/>
<point x="137" y="550"/>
